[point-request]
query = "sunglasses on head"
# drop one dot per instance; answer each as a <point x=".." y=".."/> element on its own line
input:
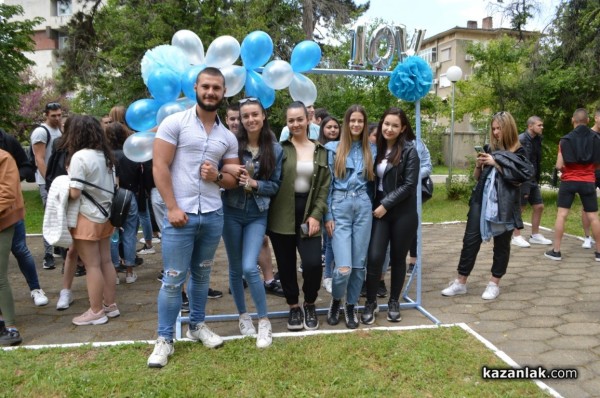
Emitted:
<point x="249" y="99"/>
<point x="502" y="113"/>
<point x="53" y="106"/>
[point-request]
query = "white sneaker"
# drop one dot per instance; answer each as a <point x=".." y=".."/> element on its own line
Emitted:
<point x="203" y="333"/>
<point x="117" y="280"/>
<point x="539" y="240"/>
<point x="64" y="300"/>
<point x="39" y="297"/>
<point x="327" y="282"/>
<point x="588" y="241"/>
<point x="162" y="351"/>
<point x="519" y="241"/>
<point x="155" y="240"/>
<point x="491" y="291"/>
<point x="130" y="278"/>
<point x="146" y="250"/>
<point x="246" y="325"/>
<point x="265" y="337"/>
<point x="454" y="289"/>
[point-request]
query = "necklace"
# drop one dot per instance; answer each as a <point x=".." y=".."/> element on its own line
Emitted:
<point x="253" y="150"/>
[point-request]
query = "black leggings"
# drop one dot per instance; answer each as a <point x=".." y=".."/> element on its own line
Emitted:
<point x="284" y="247"/>
<point x="398" y="229"/>
<point x="472" y="244"/>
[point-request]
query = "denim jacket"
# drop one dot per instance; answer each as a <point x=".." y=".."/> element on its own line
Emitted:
<point x="266" y="188"/>
<point x="355" y="180"/>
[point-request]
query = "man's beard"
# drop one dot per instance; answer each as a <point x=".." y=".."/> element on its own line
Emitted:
<point x="206" y="107"/>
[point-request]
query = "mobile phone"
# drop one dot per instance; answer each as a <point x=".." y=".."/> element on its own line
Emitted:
<point x="304" y="228"/>
<point x="479" y="149"/>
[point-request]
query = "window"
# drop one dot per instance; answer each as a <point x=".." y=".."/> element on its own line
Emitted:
<point x="63" y="41"/>
<point x="429" y="55"/>
<point x="64" y="8"/>
<point x="445" y="54"/>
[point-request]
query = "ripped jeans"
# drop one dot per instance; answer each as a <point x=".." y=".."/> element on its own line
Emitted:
<point x="188" y="249"/>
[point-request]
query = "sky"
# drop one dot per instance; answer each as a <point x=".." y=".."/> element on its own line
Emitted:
<point x="437" y="16"/>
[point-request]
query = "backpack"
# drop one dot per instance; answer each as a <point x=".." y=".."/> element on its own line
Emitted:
<point x="31" y="155"/>
<point x="119" y="208"/>
<point x="56" y="166"/>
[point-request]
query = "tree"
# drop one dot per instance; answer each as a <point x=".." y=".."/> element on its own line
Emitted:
<point x="16" y="37"/>
<point x="329" y="12"/>
<point x="519" y="12"/>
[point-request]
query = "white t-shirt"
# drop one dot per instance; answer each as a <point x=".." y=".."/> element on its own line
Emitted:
<point x="40" y="135"/>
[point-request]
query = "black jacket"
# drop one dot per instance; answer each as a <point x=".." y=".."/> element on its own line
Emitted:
<point x="400" y="182"/>
<point x="12" y="146"/>
<point x="533" y="152"/>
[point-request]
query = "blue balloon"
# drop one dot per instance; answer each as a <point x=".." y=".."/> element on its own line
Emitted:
<point x="256" y="49"/>
<point x="188" y="80"/>
<point x="256" y="87"/>
<point x="305" y="56"/>
<point x="141" y="114"/>
<point x="164" y="85"/>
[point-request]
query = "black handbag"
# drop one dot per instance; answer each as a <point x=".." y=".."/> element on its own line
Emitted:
<point x="120" y="203"/>
<point x="426" y="189"/>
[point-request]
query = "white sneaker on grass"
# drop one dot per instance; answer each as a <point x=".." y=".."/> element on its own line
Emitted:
<point x="246" y="325"/>
<point x="265" y="336"/>
<point x="519" y="241"/>
<point x="539" y="239"/>
<point x="454" y="289"/>
<point x="588" y="241"/>
<point x="39" y="297"/>
<point x="162" y="351"/>
<point x="64" y="300"/>
<point x="202" y="333"/>
<point x="491" y="291"/>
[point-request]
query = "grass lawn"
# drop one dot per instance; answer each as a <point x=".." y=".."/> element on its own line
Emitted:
<point x="411" y="363"/>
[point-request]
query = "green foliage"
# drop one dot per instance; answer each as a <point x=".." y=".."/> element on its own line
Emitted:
<point x="16" y="37"/>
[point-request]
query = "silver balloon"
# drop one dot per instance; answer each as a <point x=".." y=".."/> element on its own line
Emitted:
<point x="235" y="77"/>
<point x="357" y="48"/>
<point x="400" y="34"/>
<point x="190" y="44"/>
<point x="223" y="51"/>
<point x="169" y="108"/>
<point x="382" y="34"/>
<point x="138" y="146"/>
<point x="303" y="89"/>
<point x="415" y="42"/>
<point x="278" y="74"/>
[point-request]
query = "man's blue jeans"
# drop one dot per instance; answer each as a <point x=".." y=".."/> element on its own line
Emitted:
<point x="190" y="248"/>
<point x="24" y="258"/>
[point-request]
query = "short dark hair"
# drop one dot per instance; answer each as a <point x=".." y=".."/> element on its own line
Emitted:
<point x="52" y="106"/>
<point x="211" y="71"/>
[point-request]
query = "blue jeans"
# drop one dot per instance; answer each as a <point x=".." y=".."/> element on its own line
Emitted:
<point x="328" y="272"/>
<point x="24" y="258"/>
<point x="128" y="236"/>
<point x="188" y="249"/>
<point x="353" y="218"/>
<point x="243" y="232"/>
<point x="146" y="223"/>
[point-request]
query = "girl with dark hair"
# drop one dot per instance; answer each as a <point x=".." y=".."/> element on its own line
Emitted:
<point x="394" y="210"/>
<point x="90" y="159"/>
<point x="246" y="209"/>
<point x="349" y="219"/>
<point x="295" y="217"/>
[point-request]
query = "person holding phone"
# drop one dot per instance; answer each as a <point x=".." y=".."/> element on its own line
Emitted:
<point x="494" y="210"/>
<point x="301" y="200"/>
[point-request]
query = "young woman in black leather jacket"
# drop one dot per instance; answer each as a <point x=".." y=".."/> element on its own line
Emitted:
<point x="395" y="216"/>
<point x="505" y="157"/>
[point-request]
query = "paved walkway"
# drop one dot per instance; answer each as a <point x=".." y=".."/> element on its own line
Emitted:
<point x="547" y="313"/>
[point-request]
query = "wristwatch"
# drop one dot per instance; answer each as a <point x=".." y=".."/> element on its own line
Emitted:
<point x="219" y="177"/>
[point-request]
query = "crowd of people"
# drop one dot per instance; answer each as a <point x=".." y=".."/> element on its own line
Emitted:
<point x="318" y="191"/>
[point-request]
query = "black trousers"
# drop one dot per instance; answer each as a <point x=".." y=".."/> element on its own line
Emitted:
<point x="472" y="244"/>
<point x="284" y="247"/>
<point x="398" y="229"/>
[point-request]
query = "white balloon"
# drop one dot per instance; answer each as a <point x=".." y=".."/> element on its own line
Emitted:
<point x="190" y="44"/>
<point x="223" y="51"/>
<point x="303" y="89"/>
<point x="169" y="108"/>
<point x="235" y="77"/>
<point x="138" y="146"/>
<point x="278" y="74"/>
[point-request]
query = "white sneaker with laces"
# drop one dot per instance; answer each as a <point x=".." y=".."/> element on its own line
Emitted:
<point x="491" y="291"/>
<point x="130" y="278"/>
<point x="327" y="283"/>
<point x="162" y="351"/>
<point x="155" y="240"/>
<point x="203" y="333"/>
<point x="146" y="250"/>
<point x="64" y="300"/>
<point x="455" y="288"/>
<point x="265" y="336"/>
<point x="39" y="297"/>
<point x="246" y="325"/>
<point x="519" y="241"/>
<point x="539" y="239"/>
<point x="588" y="241"/>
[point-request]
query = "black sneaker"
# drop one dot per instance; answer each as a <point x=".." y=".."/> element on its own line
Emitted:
<point x="276" y="276"/>
<point x="80" y="271"/>
<point x="274" y="288"/>
<point x="382" y="290"/>
<point x="121" y="268"/>
<point x="311" y="322"/>
<point x="295" y="319"/>
<point x="363" y="290"/>
<point x="48" y="262"/>
<point x="214" y="294"/>
<point x="333" y="315"/>
<point x="597" y="256"/>
<point x="351" y="316"/>
<point x="139" y="260"/>
<point x="368" y="315"/>
<point x="552" y="255"/>
<point x="393" y="314"/>
<point x="10" y="337"/>
<point x="411" y="268"/>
